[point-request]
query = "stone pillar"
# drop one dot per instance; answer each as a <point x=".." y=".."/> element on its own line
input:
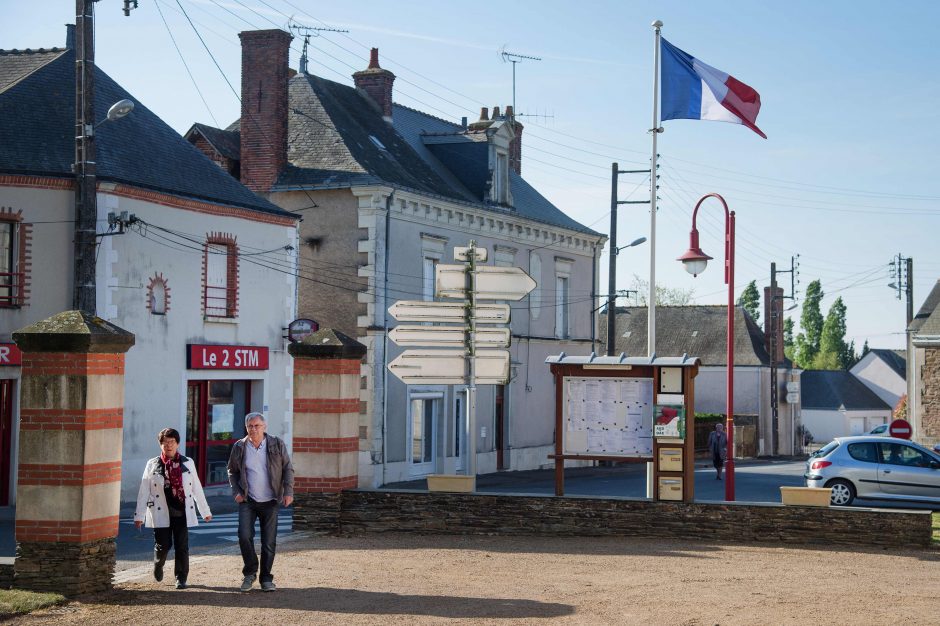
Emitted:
<point x="68" y="491"/>
<point x="326" y="426"/>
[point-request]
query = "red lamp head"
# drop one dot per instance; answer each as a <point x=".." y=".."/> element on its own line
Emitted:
<point x="694" y="259"/>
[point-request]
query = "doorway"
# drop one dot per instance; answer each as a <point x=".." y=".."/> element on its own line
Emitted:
<point x="424" y="410"/>
<point x="6" y="438"/>
<point x="502" y="429"/>
<point x="215" y="411"/>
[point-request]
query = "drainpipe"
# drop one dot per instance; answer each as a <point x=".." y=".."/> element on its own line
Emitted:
<point x="594" y="291"/>
<point x="388" y="224"/>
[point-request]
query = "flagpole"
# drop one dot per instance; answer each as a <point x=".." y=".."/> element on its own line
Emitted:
<point x="651" y="307"/>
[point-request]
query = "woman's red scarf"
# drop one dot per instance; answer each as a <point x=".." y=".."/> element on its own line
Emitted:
<point x="174" y="472"/>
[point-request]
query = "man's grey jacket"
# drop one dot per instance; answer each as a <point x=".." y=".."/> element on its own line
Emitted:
<point x="280" y="470"/>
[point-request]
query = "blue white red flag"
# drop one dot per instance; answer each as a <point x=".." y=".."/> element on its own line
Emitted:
<point x="692" y="90"/>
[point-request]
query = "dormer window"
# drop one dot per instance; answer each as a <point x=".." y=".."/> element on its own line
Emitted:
<point x="501" y="179"/>
<point x="378" y="144"/>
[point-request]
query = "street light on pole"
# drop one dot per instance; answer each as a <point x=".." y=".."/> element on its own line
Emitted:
<point x="695" y="262"/>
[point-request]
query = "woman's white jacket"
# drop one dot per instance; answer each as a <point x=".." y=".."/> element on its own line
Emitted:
<point x="151" y="498"/>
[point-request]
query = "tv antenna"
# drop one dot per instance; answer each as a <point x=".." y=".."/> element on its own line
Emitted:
<point x="512" y="57"/>
<point x="308" y="32"/>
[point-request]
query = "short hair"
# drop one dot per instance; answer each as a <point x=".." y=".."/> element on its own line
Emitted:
<point x="253" y="415"/>
<point x="168" y="433"/>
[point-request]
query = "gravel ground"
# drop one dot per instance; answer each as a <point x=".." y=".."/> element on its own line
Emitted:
<point x="398" y="579"/>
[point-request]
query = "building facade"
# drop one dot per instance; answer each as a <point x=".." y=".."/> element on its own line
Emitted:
<point x="386" y="193"/>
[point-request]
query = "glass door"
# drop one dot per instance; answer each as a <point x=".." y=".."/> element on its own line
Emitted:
<point x="215" y="420"/>
<point x="422" y="425"/>
<point x="460" y="416"/>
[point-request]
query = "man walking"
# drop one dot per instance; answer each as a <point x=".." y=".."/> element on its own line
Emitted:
<point x="261" y="476"/>
<point x="718" y="447"/>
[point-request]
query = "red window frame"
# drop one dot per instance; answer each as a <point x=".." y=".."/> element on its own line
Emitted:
<point x="14" y="285"/>
<point x="220" y="301"/>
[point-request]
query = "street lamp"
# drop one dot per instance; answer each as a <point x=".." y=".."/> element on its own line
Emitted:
<point x="695" y="262"/>
<point x="612" y="293"/>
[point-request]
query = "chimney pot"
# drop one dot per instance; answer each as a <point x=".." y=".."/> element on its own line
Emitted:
<point x="484" y="114"/>
<point x="495" y="112"/>
<point x="463" y="122"/>
<point x="374" y="59"/>
<point x="70" y="36"/>
<point x="509" y="111"/>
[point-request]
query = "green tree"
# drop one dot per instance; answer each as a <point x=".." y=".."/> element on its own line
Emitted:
<point x="750" y="300"/>
<point x="788" y="345"/>
<point x="811" y="323"/>
<point x="834" y="352"/>
<point x="865" y="350"/>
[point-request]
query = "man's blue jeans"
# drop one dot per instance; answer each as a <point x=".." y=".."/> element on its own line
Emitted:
<point x="266" y="512"/>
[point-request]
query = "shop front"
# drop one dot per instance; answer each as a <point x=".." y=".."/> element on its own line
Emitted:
<point x="224" y="384"/>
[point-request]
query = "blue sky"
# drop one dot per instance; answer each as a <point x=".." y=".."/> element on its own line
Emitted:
<point x="847" y="178"/>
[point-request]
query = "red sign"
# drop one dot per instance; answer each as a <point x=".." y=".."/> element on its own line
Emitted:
<point x="10" y="355"/>
<point x="900" y="429"/>
<point x="210" y="357"/>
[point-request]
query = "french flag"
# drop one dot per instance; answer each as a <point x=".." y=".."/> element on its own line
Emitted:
<point x="692" y="90"/>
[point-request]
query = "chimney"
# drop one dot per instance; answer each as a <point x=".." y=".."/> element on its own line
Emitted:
<point x="776" y="302"/>
<point x="377" y="84"/>
<point x="264" y="107"/>
<point x="484" y="122"/>
<point x="70" y="36"/>
<point x="515" y="147"/>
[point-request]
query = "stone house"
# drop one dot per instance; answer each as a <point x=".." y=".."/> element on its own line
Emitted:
<point x="183" y="271"/>
<point x="701" y="331"/>
<point x="386" y="193"/>
<point x="923" y="370"/>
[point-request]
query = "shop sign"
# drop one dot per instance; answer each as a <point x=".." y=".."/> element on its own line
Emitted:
<point x="213" y="357"/>
<point x="300" y="328"/>
<point x="10" y="355"/>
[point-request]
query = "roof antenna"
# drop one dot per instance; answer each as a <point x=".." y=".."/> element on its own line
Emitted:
<point x="512" y="57"/>
<point x="307" y="32"/>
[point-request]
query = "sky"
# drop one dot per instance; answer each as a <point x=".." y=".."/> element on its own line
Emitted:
<point x="846" y="179"/>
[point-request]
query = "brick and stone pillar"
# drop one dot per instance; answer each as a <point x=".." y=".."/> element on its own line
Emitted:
<point x="326" y="426"/>
<point x="68" y="491"/>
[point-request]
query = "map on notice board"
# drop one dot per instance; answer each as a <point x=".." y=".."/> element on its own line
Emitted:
<point x="608" y="416"/>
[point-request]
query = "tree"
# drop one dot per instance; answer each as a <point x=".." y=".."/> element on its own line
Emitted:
<point x="811" y="322"/>
<point x="865" y="350"/>
<point x="834" y="353"/>
<point x="666" y="296"/>
<point x="750" y="300"/>
<point x="788" y="345"/>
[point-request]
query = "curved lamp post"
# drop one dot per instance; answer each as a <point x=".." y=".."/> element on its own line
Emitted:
<point x="695" y="262"/>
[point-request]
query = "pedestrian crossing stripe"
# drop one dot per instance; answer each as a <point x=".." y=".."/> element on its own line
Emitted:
<point x="228" y="523"/>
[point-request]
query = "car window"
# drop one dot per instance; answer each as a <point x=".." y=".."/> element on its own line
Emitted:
<point x="826" y="449"/>
<point x="879" y="429"/>
<point x="863" y="452"/>
<point x="900" y="454"/>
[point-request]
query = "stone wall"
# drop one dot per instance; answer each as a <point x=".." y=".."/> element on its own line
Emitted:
<point x="930" y="398"/>
<point x="365" y="511"/>
<point x="65" y="567"/>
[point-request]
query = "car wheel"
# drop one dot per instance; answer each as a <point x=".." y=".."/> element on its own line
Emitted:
<point x="843" y="492"/>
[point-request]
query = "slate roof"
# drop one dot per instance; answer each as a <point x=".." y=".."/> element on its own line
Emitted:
<point x="895" y="359"/>
<point x="226" y="142"/>
<point x="927" y="311"/>
<point x="832" y="389"/>
<point x="698" y="331"/>
<point x="337" y="138"/>
<point x="37" y="129"/>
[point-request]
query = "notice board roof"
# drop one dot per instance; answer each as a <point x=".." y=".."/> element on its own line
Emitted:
<point x="623" y="359"/>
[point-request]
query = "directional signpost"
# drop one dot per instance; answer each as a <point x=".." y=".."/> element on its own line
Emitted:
<point x="482" y="357"/>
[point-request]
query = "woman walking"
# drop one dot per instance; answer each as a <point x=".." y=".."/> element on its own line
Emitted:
<point x="170" y="493"/>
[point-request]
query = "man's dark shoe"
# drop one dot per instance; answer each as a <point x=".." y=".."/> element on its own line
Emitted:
<point x="268" y="586"/>
<point x="180" y="584"/>
<point x="158" y="571"/>
<point x="248" y="582"/>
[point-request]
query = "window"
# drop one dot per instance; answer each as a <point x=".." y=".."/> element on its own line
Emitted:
<point x="561" y="307"/>
<point x="429" y="271"/>
<point x="158" y="295"/>
<point x="220" y="292"/>
<point x="900" y="454"/>
<point x="14" y="240"/>
<point x="863" y="452"/>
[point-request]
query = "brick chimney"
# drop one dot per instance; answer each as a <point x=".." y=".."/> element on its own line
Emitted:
<point x="264" y="107"/>
<point x="515" y="148"/>
<point x="777" y="303"/>
<point x="377" y="84"/>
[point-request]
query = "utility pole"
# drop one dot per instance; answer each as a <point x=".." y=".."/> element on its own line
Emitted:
<point x="774" y="322"/>
<point x="86" y="209"/>
<point x="902" y="269"/>
<point x="614" y="250"/>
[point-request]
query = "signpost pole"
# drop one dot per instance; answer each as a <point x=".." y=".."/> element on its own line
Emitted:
<point x="472" y="382"/>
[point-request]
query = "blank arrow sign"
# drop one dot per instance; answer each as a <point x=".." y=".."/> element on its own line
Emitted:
<point x="448" y="367"/>
<point x="448" y="312"/>
<point x="490" y="283"/>
<point x="448" y="336"/>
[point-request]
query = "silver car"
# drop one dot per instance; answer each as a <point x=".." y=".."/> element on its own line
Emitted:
<point x="877" y="467"/>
